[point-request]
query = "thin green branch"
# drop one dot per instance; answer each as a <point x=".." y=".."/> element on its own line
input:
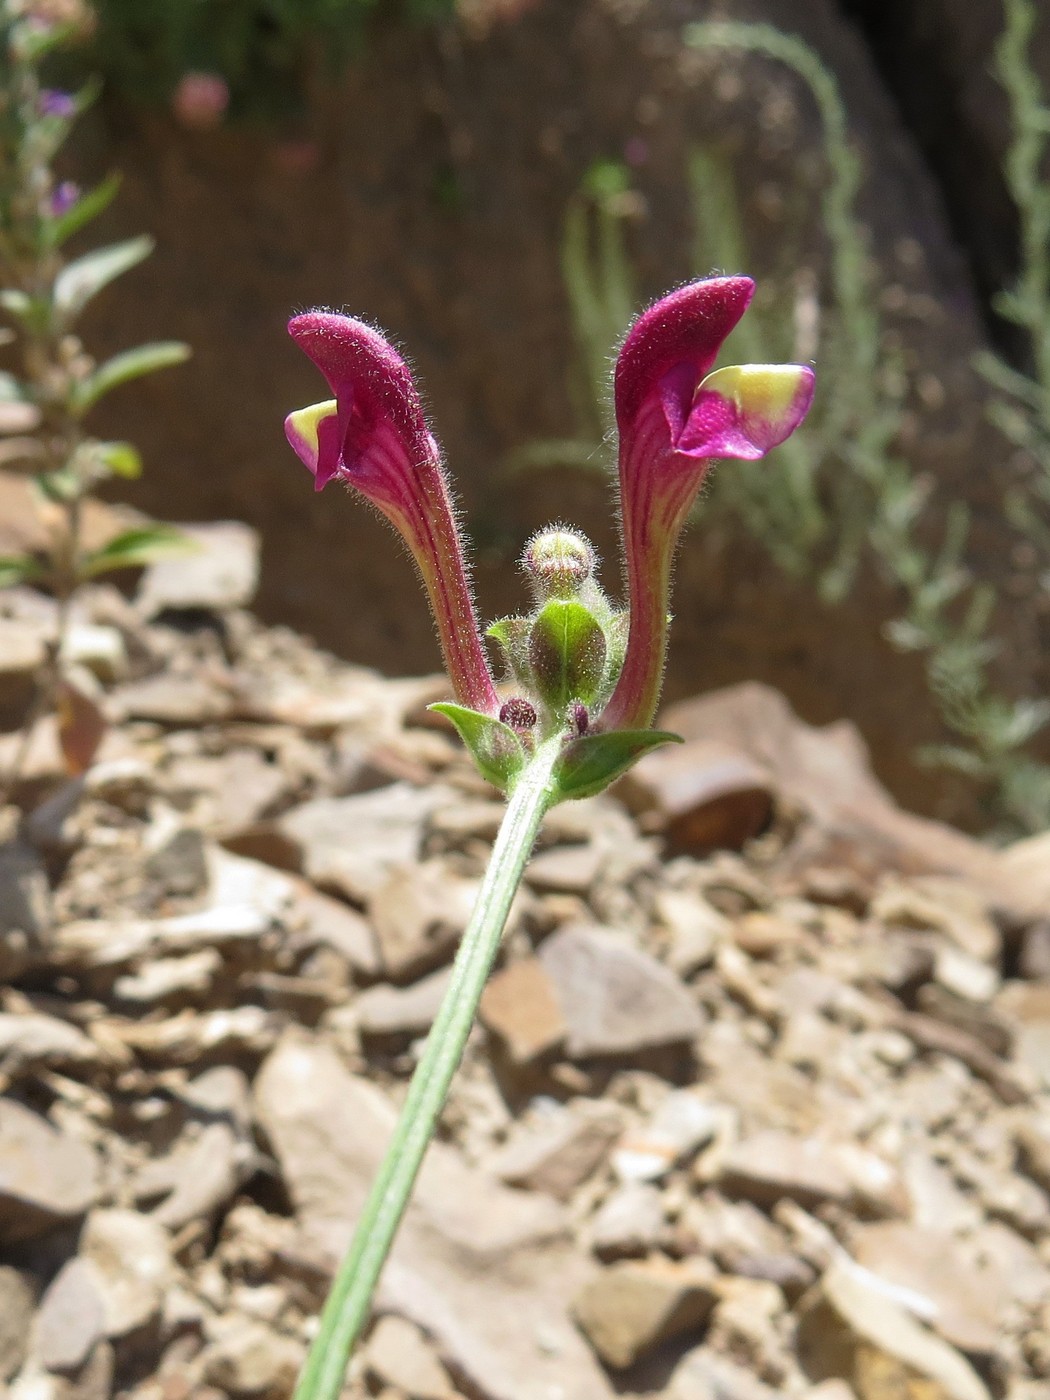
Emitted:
<point x="350" y="1299"/>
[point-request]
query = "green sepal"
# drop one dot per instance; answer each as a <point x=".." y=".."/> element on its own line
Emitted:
<point x="567" y="653"/>
<point x="495" y="748"/>
<point x="589" y="764"/>
<point x="512" y="634"/>
<point x="133" y="549"/>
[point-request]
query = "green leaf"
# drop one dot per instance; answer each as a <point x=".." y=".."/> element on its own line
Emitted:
<point x="129" y="364"/>
<point x="19" y="568"/>
<point x="61" y="486"/>
<point x="590" y="763"/>
<point x="83" y="278"/>
<point x="90" y="204"/>
<point x="120" y="459"/>
<point x="30" y="312"/>
<point x="567" y="653"/>
<point x="495" y="748"/>
<point x="135" y="548"/>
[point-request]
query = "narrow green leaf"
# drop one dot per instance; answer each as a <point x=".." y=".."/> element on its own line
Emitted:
<point x="136" y="547"/>
<point x="30" y="312"/>
<point x="589" y="764"/>
<point x="83" y="278"/>
<point x="90" y="204"/>
<point x="19" y="568"/>
<point x="495" y="748"/>
<point x="120" y="459"/>
<point x="129" y="364"/>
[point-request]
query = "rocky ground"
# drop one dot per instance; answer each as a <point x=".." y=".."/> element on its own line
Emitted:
<point x="758" y="1105"/>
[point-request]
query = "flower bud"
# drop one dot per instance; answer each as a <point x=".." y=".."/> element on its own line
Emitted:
<point x="518" y="713"/>
<point x="559" y="562"/>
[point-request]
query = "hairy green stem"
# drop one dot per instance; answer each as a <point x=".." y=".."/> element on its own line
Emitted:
<point x="349" y="1301"/>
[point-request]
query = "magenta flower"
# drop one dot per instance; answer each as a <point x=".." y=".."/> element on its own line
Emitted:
<point x="675" y="419"/>
<point x="373" y="436"/>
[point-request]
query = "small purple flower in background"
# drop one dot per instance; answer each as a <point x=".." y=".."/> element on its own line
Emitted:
<point x="63" y="197"/>
<point x="373" y="436"/>
<point x="54" y="103"/>
<point x="200" y="100"/>
<point x="675" y="420"/>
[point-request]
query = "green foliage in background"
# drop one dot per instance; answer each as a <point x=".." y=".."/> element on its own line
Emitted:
<point x="51" y="382"/>
<point x="264" y="49"/>
<point x="842" y="494"/>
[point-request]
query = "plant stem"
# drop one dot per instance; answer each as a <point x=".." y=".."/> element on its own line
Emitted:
<point x="349" y="1301"/>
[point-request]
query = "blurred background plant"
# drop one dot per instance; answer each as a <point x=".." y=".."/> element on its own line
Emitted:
<point x="842" y="495"/>
<point x="258" y="55"/>
<point x="50" y="382"/>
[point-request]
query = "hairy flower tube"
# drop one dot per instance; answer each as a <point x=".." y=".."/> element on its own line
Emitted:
<point x="372" y="436"/>
<point x="675" y="419"/>
<point x="578" y="669"/>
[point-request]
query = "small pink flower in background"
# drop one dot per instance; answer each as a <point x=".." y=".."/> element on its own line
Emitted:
<point x="296" y="156"/>
<point x="373" y="436"/>
<point x="675" y="420"/>
<point x="200" y="100"/>
<point x="636" y="151"/>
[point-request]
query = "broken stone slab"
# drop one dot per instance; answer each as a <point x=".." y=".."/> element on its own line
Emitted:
<point x="166" y="980"/>
<point x="218" y="571"/>
<point x="505" y="1329"/>
<point x="384" y="1011"/>
<point x="317" y="920"/>
<point x="850" y="1326"/>
<point x="704" y="1374"/>
<point x="418" y="915"/>
<point x="962" y="1301"/>
<point x="520" y="1007"/>
<point x="943" y="905"/>
<point x="1026" y="1009"/>
<point x="210" y="1173"/>
<point x="398" y="1354"/>
<point x="616" y="999"/>
<point x="47" y="1177"/>
<point x="178" y="701"/>
<point x="772" y="1166"/>
<point x="566" y="869"/>
<point x="236" y="789"/>
<point x="132" y="1260"/>
<point x="681" y="1125"/>
<point x="25" y="907"/>
<point x="32" y="1041"/>
<point x="17" y="1303"/>
<point x="23" y="651"/>
<point x="563" y="1147"/>
<point x="245" y="1358"/>
<point x="701" y="796"/>
<point x="631" y="1307"/>
<point x="351" y="844"/>
<point x="72" y="1318"/>
<point x="694" y="927"/>
<point x="628" y="1223"/>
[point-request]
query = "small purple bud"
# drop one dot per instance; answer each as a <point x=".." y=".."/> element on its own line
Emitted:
<point x="518" y="713"/>
<point x="579" y="719"/>
<point x="55" y="103"/>
<point x="63" y="197"/>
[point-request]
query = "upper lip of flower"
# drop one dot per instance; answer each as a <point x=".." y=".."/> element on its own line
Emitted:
<point x="374" y="396"/>
<point x="672" y="346"/>
<point x="373" y="435"/>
